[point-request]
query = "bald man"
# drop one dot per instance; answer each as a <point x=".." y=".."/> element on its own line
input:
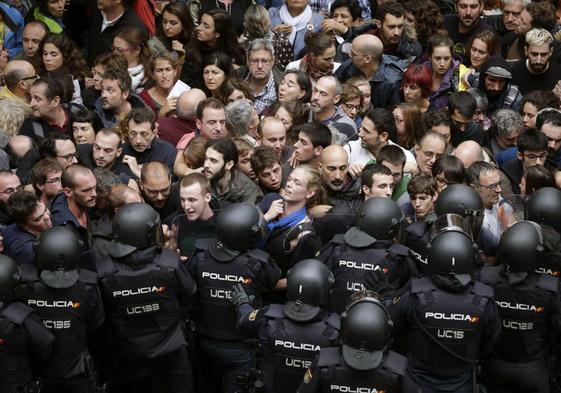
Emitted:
<point x="157" y="189"/>
<point x="469" y="152"/>
<point x="18" y="77"/>
<point x="326" y="94"/>
<point x="334" y="170"/>
<point x="272" y="132"/>
<point x="383" y="72"/>
<point x="181" y="122"/>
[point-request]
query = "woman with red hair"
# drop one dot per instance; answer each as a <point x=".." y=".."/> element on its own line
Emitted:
<point x="416" y="86"/>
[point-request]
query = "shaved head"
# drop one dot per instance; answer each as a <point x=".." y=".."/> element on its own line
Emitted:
<point x="369" y="44"/>
<point x="187" y="103"/>
<point x="334" y="165"/>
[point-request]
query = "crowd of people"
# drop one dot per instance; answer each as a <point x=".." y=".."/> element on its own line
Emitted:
<point x="202" y="196"/>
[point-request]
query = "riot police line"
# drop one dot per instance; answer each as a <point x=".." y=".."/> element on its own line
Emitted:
<point x="383" y="306"/>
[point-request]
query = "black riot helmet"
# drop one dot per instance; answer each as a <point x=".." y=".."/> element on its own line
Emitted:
<point x="544" y="207"/>
<point x="57" y="251"/>
<point x="309" y="284"/>
<point x="365" y="331"/>
<point x="10" y="279"/>
<point x="58" y="248"/>
<point x="379" y="219"/>
<point x="463" y="200"/>
<point x="451" y="251"/>
<point x="136" y="226"/>
<point x="519" y="249"/>
<point x="238" y="229"/>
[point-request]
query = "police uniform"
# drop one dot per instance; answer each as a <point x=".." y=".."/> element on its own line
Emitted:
<point x="142" y="294"/>
<point x="71" y="314"/>
<point x="288" y="347"/>
<point x="330" y="373"/>
<point x="382" y="261"/>
<point x="22" y="338"/>
<point x="416" y="236"/>
<point x="448" y="332"/>
<point x="224" y="355"/>
<point x="531" y="317"/>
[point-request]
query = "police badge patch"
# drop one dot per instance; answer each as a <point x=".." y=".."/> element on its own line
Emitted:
<point x="308" y="376"/>
<point x="253" y="315"/>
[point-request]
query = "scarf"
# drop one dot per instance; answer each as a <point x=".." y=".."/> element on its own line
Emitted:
<point x="297" y="22"/>
<point x="288" y="221"/>
<point x="307" y="66"/>
<point x="137" y="75"/>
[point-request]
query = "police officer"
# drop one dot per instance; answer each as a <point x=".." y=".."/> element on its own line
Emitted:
<point x="68" y="302"/>
<point x="452" y="321"/>
<point x="368" y="249"/>
<point x="143" y="286"/>
<point x="23" y="339"/>
<point x="292" y="334"/>
<point x="530" y="308"/>
<point x="363" y="362"/>
<point x="544" y="208"/>
<point x="457" y="199"/>
<point x="217" y="264"/>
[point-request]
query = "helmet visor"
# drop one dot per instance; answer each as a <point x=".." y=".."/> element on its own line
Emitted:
<point x="451" y="222"/>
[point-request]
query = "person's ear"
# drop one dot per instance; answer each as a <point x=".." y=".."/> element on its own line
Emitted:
<point x="519" y="156"/>
<point x="68" y="192"/>
<point x="526" y="50"/>
<point x="383" y="136"/>
<point x="311" y="194"/>
<point x="336" y="99"/>
<point x="119" y="151"/>
<point x="229" y="165"/>
<point x="208" y="197"/>
<point x="198" y="123"/>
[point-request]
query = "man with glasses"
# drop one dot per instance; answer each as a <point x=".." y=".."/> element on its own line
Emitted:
<point x="262" y="78"/>
<point x="49" y="115"/>
<point x="486" y="180"/>
<point x="158" y="190"/>
<point x="142" y="145"/>
<point x="31" y="217"/>
<point x="532" y="150"/>
<point x="18" y="77"/>
<point x="9" y="183"/>
<point x="45" y="178"/>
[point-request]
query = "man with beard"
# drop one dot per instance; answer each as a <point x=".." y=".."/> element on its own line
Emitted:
<point x="537" y="71"/>
<point x="495" y="81"/>
<point x="325" y="96"/>
<point x="142" y="145"/>
<point x="71" y="207"/>
<point x="465" y="24"/>
<point x="228" y="183"/>
<point x="31" y="217"/>
<point x="157" y="189"/>
<point x="548" y="121"/>
<point x="117" y="98"/>
<point x="342" y="189"/>
<point x="390" y="18"/>
<point x="9" y="183"/>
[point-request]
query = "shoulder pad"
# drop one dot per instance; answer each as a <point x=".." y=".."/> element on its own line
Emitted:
<point x="17" y="312"/>
<point x="491" y="275"/>
<point x="396" y="362"/>
<point x="168" y="258"/>
<point x="29" y="272"/>
<point x="203" y="244"/>
<point x="549" y="283"/>
<point x="87" y="276"/>
<point x="420" y="285"/>
<point x="258" y="254"/>
<point x="399" y="250"/>
<point x="334" y="320"/>
<point x="330" y="356"/>
<point x="275" y="311"/>
<point x="338" y="239"/>
<point x="483" y="289"/>
<point x="417" y="228"/>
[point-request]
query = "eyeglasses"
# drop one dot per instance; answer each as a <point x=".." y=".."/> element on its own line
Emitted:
<point x="53" y="180"/>
<point x="493" y="186"/>
<point x="535" y="157"/>
<point x="121" y="50"/>
<point x="164" y="191"/>
<point x="68" y="157"/>
<point x="260" y="61"/>
<point x="351" y="107"/>
<point x="32" y="77"/>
